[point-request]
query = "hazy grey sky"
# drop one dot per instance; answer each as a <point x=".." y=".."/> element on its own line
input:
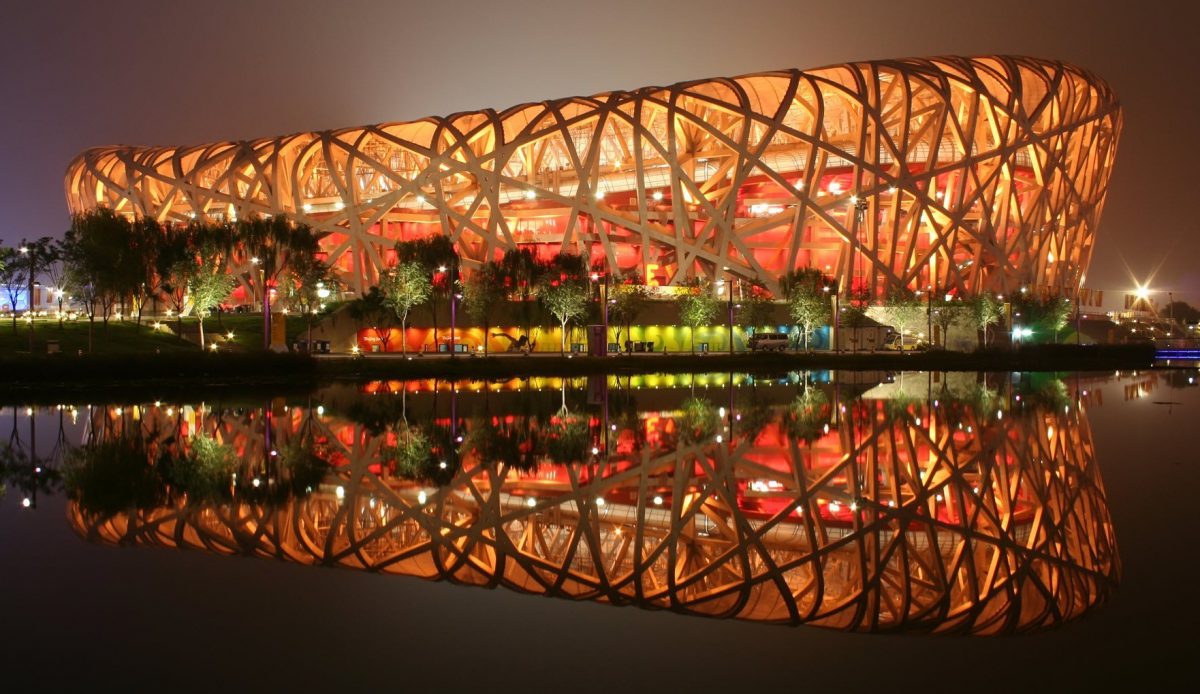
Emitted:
<point x="80" y="74"/>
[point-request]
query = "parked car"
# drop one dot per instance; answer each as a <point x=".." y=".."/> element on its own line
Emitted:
<point x="767" y="342"/>
<point x="912" y="344"/>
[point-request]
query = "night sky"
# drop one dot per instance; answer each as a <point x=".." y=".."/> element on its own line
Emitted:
<point x="77" y="75"/>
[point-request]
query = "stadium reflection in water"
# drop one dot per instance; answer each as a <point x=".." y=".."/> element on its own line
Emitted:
<point x="920" y="503"/>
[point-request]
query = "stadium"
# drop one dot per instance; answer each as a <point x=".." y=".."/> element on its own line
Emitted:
<point x="958" y="175"/>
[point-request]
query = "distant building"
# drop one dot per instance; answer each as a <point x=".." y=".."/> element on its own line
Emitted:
<point x="44" y="299"/>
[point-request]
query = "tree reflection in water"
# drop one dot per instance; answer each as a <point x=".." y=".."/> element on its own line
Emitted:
<point x="802" y="504"/>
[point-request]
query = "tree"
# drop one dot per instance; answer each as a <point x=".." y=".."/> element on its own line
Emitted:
<point x="563" y="290"/>
<point x="27" y="472"/>
<point x="808" y="310"/>
<point x="806" y="416"/>
<point x="567" y="439"/>
<point x="276" y="242"/>
<point x="204" y="472"/>
<point x="78" y="283"/>
<point x="698" y="420"/>
<point x="805" y="277"/>
<point x="173" y="265"/>
<point x="302" y="464"/>
<point x="147" y="242"/>
<point x="854" y="314"/>
<point x="948" y="311"/>
<point x="521" y="270"/>
<point x="56" y="272"/>
<point x="807" y="299"/>
<point x="439" y="257"/>
<point x="36" y="256"/>
<point x="308" y="284"/>
<point x="207" y="289"/>
<point x="210" y="282"/>
<point x="904" y="310"/>
<point x="95" y="250"/>
<point x="755" y="415"/>
<point x="1042" y="316"/>
<point x="516" y="442"/>
<point x="482" y="293"/>
<point x="757" y="307"/>
<point x="103" y="253"/>
<point x="1181" y="312"/>
<point x="985" y="311"/>
<point x="372" y="309"/>
<point x="626" y="301"/>
<point x="1058" y="314"/>
<point x="113" y="476"/>
<point x="404" y="286"/>
<point x="412" y="454"/>
<point x="13" y="279"/>
<point x="697" y="307"/>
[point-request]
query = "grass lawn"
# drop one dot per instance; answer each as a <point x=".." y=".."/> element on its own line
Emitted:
<point x="124" y="337"/>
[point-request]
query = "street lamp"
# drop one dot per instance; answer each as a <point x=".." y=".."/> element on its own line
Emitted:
<point x="262" y="274"/>
<point x="604" y="300"/>
<point x="722" y="285"/>
<point x="455" y="297"/>
<point x="929" y="312"/>
<point x="32" y="261"/>
<point x="322" y="295"/>
<point x="833" y="323"/>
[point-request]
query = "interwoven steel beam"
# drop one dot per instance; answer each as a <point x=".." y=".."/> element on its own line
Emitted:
<point x="951" y="173"/>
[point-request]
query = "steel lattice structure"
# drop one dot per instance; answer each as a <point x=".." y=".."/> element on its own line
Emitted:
<point x="910" y="517"/>
<point x="960" y="174"/>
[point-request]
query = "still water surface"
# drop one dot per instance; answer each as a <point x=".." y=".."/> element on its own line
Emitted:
<point x="185" y="543"/>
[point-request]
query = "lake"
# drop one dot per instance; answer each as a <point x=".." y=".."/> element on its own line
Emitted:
<point x="698" y="531"/>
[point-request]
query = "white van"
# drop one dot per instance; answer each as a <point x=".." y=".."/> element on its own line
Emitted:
<point x="768" y="342"/>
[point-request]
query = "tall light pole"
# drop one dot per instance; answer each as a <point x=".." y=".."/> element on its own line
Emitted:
<point x="322" y="295"/>
<point x="58" y="294"/>
<point x="726" y="285"/>
<point x="441" y="269"/>
<point x="607" y="302"/>
<point x="262" y="283"/>
<point x="1078" y="319"/>
<point x="929" y="316"/>
<point x="30" y="262"/>
<point x="454" y="297"/>
<point x="606" y="288"/>
<point x="602" y="299"/>
<point x="833" y="332"/>
<point x="860" y="211"/>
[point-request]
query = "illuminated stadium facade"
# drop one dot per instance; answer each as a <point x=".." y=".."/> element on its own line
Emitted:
<point x="955" y="174"/>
